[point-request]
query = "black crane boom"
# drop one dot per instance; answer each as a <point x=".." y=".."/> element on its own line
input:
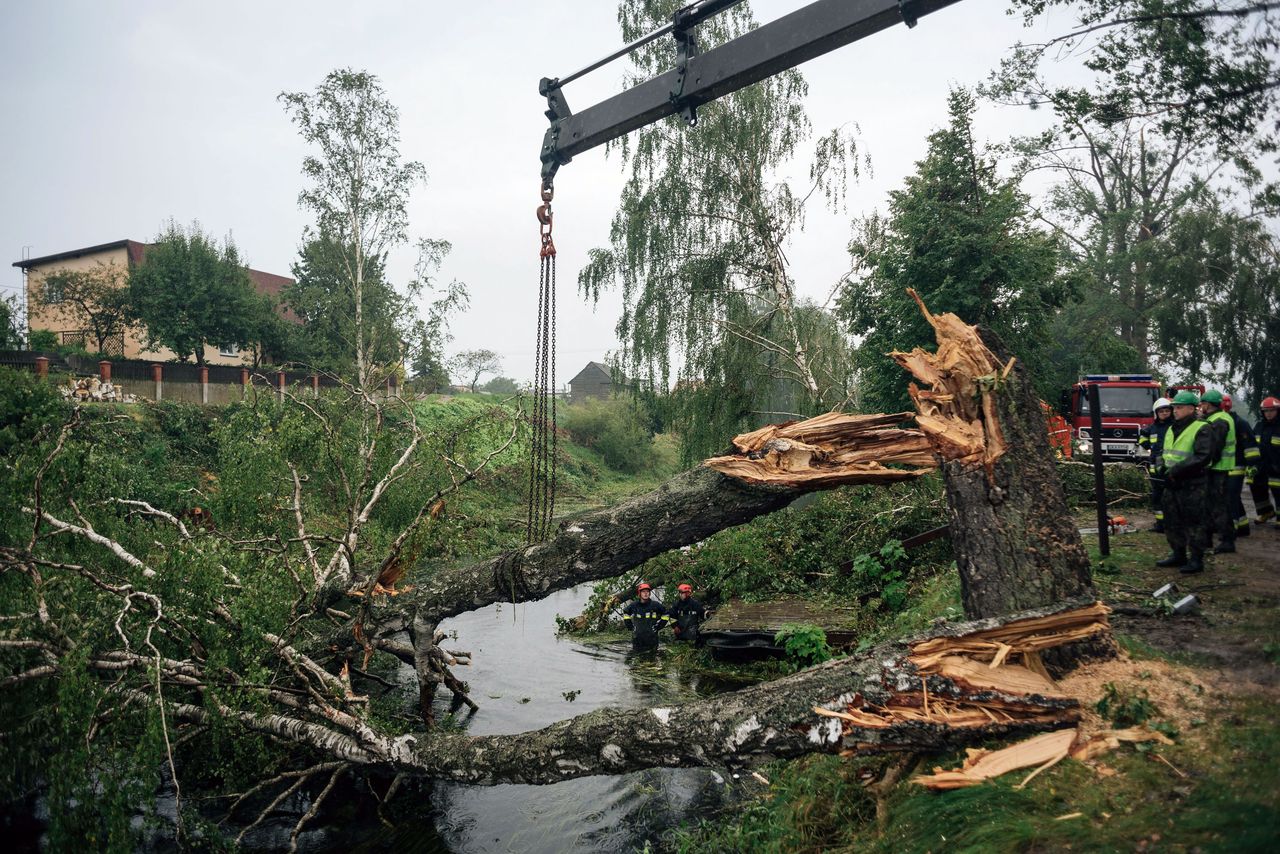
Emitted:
<point x="698" y="78"/>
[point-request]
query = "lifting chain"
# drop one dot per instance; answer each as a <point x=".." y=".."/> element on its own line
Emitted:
<point x="544" y="446"/>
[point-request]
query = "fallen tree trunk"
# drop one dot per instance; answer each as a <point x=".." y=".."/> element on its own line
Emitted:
<point x="957" y="685"/>
<point x="772" y="468"/>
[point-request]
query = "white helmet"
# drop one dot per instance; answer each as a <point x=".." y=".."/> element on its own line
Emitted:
<point x="1161" y="404"/>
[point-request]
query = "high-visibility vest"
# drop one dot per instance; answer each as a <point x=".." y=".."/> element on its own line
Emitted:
<point x="1227" y="461"/>
<point x="1181" y="446"/>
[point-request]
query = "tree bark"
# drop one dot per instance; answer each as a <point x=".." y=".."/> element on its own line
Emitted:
<point x="878" y="701"/>
<point x="1015" y="542"/>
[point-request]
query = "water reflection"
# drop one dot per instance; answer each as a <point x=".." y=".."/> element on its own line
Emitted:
<point x="521" y="676"/>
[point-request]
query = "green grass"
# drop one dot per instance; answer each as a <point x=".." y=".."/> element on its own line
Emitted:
<point x="1230" y="801"/>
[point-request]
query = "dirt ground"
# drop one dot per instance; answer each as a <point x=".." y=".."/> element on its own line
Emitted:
<point x="1237" y="628"/>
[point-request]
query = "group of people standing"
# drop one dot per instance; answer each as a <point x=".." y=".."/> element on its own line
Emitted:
<point x="1201" y="456"/>
<point x="646" y="616"/>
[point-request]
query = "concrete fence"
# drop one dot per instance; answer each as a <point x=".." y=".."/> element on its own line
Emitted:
<point x="207" y="384"/>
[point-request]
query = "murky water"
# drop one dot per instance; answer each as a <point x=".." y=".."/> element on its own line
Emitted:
<point x="521" y="675"/>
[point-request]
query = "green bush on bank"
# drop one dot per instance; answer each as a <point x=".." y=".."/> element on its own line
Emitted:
<point x="614" y="428"/>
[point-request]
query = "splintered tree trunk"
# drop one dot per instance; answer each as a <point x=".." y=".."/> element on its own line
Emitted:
<point x="1016" y="544"/>
<point x="1015" y="541"/>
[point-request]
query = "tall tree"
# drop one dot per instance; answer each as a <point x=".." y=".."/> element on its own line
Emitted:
<point x="358" y="187"/>
<point x="98" y="294"/>
<point x="961" y="236"/>
<point x="698" y="243"/>
<point x="1156" y="155"/>
<point x="324" y="301"/>
<point x="1199" y="68"/>
<point x="470" y="365"/>
<point x="190" y="291"/>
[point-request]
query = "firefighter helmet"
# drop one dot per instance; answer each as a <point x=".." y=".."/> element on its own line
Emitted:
<point x="1212" y="396"/>
<point x="684" y="588"/>
<point x="1270" y="403"/>
<point x="643" y="585"/>
<point x="1186" y="398"/>
<point x="1161" y="403"/>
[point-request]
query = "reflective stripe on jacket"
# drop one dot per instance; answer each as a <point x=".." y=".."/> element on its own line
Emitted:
<point x="1226" y="457"/>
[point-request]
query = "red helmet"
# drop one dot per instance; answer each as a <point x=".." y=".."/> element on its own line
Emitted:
<point x="643" y="585"/>
<point x="1270" y="403"/>
<point x="1226" y="403"/>
<point x="684" y="588"/>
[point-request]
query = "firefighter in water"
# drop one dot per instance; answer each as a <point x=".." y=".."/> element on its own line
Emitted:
<point x="1187" y="448"/>
<point x="644" y="616"/>
<point x="1246" y="455"/>
<point x="1222" y="459"/>
<point x="1151" y="438"/>
<point x="688" y="614"/>
<point x="1265" y="485"/>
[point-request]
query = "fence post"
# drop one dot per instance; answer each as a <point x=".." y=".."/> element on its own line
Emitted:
<point x="104" y="371"/>
<point x="244" y="383"/>
<point x="315" y="385"/>
<point x="42" y="367"/>
<point x="280" y="386"/>
<point x="157" y="374"/>
<point x="204" y="386"/>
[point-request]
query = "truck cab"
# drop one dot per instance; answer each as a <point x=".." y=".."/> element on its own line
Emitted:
<point x="1125" y="400"/>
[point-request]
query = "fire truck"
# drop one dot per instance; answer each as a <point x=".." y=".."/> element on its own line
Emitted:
<point x="1125" y="400"/>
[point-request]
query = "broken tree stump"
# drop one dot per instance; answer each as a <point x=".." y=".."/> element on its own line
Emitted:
<point x="1015" y="543"/>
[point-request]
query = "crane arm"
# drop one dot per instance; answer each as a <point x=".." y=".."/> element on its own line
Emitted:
<point x="698" y="78"/>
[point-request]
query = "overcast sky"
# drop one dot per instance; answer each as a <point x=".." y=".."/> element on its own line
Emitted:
<point x="119" y="116"/>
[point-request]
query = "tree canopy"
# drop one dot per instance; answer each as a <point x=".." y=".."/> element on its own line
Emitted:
<point x="99" y="294"/>
<point x="963" y="237"/>
<point x="190" y="291"/>
<point x="698" y="241"/>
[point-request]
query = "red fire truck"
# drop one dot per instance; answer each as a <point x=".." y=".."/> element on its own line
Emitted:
<point x="1125" y="400"/>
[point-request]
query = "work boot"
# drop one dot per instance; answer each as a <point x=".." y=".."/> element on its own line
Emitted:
<point x="1196" y="564"/>
<point x="1174" y="558"/>
<point x="1225" y="547"/>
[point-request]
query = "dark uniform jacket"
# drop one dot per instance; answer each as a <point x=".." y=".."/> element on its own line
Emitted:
<point x="688" y="614"/>
<point x="1196" y="465"/>
<point x="645" y="618"/>
<point x="1267" y="434"/>
<point x="1151" y="437"/>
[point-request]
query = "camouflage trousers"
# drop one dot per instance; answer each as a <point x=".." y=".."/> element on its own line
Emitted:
<point x="1186" y="520"/>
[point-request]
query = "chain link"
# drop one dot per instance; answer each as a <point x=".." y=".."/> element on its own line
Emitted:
<point x="544" y="447"/>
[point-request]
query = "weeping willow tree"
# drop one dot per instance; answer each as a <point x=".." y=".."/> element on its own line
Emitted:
<point x="698" y="247"/>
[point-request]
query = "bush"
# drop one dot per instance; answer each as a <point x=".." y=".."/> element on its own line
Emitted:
<point x="42" y="341"/>
<point x="614" y="429"/>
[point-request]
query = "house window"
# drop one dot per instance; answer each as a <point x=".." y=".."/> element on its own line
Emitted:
<point x="52" y="294"/>
<point x="229" y="350"/>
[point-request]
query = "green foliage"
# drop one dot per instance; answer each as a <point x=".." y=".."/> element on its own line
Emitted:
<point x="963" y="237"/>
<point x="844" y="545"/>
<point x="1125" y="707"/>
<point x="323" y="298"/>
<point x="1127" y="485"/>
<point x="28" y="408"/>
<point x="1160" y="196"/>
<point x="190" y="292"/>
<point x="612" y="427"/>
<point x="698" y="242"/>
<point x="42" y="341"/>
<point x="98" y="297"/>
<point x="500" y="385"/>
<point x="10" y="327"/>
<point x="803" y="644"/>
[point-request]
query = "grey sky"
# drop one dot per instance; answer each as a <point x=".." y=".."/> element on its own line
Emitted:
<point x="121" y="115"/>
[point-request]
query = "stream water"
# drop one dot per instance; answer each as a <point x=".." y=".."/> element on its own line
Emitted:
<point x="520" y="678"/>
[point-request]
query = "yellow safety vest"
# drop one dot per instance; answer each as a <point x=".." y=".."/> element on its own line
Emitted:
<point x="1182" y="445"/>
<point x="1227" y="461"/>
